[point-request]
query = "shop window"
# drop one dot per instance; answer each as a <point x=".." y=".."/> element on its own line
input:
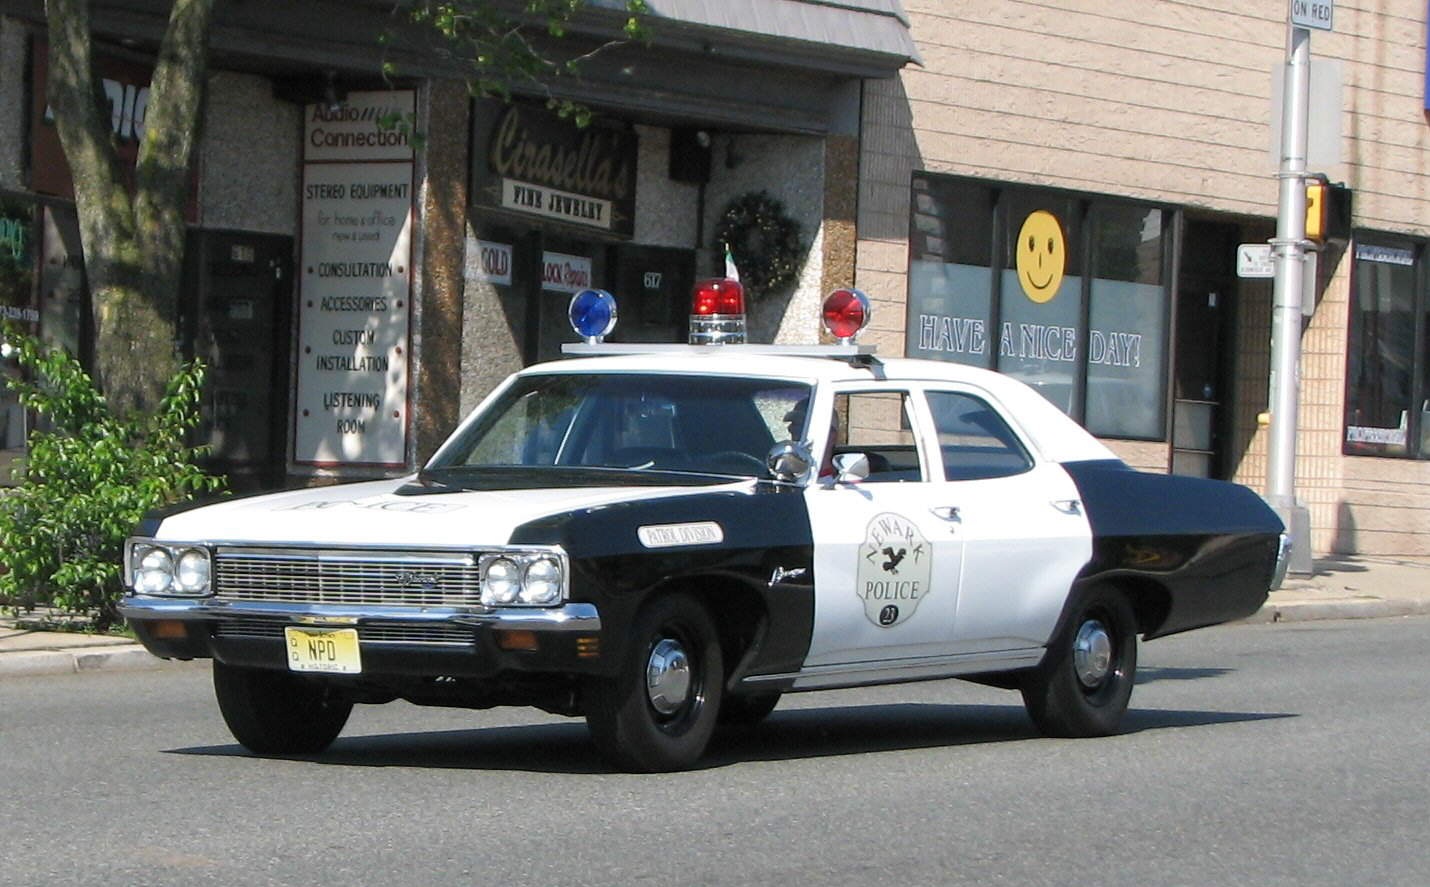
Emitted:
<point x="17" y="295"/>
<point x="1127" y="323"/>
<point x="1078" y="307"/>
<point x="1386" y="365"/>
<point x="1040" y="301"/>
<point x="951" y="271"/>
<point x="42" y="292"/>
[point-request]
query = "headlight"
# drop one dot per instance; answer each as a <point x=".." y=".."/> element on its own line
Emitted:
<point x="523" y="578"/>
<point x="192" y="574"/>
<point x="155" y="573"/>
<point x="180" y="570"/>
<point x="502" y="582"/>
<point x="542" y="583"/>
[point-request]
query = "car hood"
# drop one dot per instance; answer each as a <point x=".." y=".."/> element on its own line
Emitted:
<point x="374" y="514"/>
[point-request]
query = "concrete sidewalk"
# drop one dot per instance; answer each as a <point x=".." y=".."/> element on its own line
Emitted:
<point x="1351" y="587"/>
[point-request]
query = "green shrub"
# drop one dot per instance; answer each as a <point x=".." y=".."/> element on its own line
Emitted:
<point x="88" y="478"/>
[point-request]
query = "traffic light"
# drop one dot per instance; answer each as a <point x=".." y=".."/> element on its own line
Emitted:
<point x="1316" y="210"/>
<point x="1328" y="211"/>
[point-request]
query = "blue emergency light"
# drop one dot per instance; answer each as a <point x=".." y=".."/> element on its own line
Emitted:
<point x="593" y="315"/>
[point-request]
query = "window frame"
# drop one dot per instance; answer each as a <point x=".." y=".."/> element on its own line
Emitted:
<point x="1020" y="445"/>
<point x="912" y="412"/>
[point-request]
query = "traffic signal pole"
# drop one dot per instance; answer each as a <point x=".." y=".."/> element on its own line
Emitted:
<point x="1288" y="250"/>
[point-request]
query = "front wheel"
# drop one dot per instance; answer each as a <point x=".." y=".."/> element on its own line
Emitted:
<point x="747" y="710"/>
<point x="1085" y="681"/>
<point x="659" y="711"/>
<point x="276" y="712"/>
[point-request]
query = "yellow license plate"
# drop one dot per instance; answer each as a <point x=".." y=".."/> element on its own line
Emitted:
<point x="330" y="650"/>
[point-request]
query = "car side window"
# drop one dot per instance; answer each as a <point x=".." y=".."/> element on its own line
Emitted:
<point x="973" y="439"/>
<point x="876" y="423"/>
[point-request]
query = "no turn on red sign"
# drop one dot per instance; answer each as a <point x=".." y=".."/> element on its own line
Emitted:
<point x="1312" y="14"/>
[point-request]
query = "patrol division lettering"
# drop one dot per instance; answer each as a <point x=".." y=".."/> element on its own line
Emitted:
<point x="704" y="533"/>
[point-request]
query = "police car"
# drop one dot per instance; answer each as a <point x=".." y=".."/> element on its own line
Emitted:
<point x="664" y="539"/>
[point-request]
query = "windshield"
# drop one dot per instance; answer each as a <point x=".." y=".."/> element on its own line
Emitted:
<point x="665" y="422"/>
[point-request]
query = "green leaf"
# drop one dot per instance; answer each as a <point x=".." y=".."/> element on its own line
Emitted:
<point x="88" y="478"/>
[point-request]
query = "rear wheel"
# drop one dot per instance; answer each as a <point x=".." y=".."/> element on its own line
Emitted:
<point x="276" y="712"/>
<point x="659" y="711"/>
<point x="1085" y="681"/>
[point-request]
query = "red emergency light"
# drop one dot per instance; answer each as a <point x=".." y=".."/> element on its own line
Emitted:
<point x="717" y="312"/>
<point x="846" y="312"/>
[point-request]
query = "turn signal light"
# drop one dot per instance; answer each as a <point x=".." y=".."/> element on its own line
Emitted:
<point x="170" y="630"/>
<point x="517" y="639"/>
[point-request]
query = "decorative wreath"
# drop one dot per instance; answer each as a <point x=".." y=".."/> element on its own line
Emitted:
<point x="764" y="242"/>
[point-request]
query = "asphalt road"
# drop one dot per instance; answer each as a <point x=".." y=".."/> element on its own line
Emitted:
<point x="1268" y="755"/>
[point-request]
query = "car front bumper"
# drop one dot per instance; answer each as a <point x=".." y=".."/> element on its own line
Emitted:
<point x="394" y="640"/>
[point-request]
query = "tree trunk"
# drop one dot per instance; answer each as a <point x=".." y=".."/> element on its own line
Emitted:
<point x="133" y="245"/>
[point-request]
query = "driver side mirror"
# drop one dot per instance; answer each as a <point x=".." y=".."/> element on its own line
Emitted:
<point x="789" y="461"/>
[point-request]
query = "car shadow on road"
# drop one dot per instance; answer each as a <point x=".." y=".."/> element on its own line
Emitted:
<point x="563" y="747"/>
<point x="792" y="734"/>
<point x="812" y="733"/>
<point x="1146" y="675"/>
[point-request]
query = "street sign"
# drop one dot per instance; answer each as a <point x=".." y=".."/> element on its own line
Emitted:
<point x="1312" y="14"/>
<point x="1254" y="260"/>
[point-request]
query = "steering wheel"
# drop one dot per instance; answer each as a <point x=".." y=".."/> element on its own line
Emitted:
<point x="733" y="462"/>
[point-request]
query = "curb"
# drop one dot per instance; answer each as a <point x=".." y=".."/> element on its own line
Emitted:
<point x="1346" y="608"/>
<point x="51" y="662"/>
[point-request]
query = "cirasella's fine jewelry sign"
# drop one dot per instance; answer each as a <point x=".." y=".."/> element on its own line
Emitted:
<point x="355" y="282"/>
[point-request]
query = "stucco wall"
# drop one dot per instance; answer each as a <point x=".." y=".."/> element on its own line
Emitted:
<point x="791" y="169"/>
<point x="12" y="101"/>
<point x="665" y="209"/>
<point x="250" y="157"/>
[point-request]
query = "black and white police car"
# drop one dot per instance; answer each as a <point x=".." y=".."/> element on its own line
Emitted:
<point x="667" y="538"/>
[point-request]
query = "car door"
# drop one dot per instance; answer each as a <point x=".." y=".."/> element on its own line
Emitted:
<point x="886" y="567"/>
<point x="1024" y="532"/>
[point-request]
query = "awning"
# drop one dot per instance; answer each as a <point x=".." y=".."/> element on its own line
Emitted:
<point x="863" y="38"/>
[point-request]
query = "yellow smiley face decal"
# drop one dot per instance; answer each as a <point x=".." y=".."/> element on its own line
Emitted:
<point x="1040" y="255"/>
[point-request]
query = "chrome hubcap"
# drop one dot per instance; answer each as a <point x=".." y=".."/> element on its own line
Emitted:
<point x="1092" y="653"/>
<point x="667" y="677"/>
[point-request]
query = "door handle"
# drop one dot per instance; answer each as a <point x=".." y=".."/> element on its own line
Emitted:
<point x="946" y="512"/>
<point x="1068" y="506"/>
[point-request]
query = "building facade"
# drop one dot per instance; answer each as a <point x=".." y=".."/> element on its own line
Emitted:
<point x="356" y="289"/>
<point x="1141" y="138"/>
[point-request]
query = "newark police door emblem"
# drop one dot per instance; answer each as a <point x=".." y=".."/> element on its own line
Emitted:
<point x="895" y="563"/>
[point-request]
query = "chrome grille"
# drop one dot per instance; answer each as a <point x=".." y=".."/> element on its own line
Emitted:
<point x="416" y="579"/>
<point x="367" y="634"/>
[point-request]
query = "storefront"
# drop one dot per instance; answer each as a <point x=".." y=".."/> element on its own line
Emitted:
<point x="354" y="296"/>
<point x="554" y="212"/>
